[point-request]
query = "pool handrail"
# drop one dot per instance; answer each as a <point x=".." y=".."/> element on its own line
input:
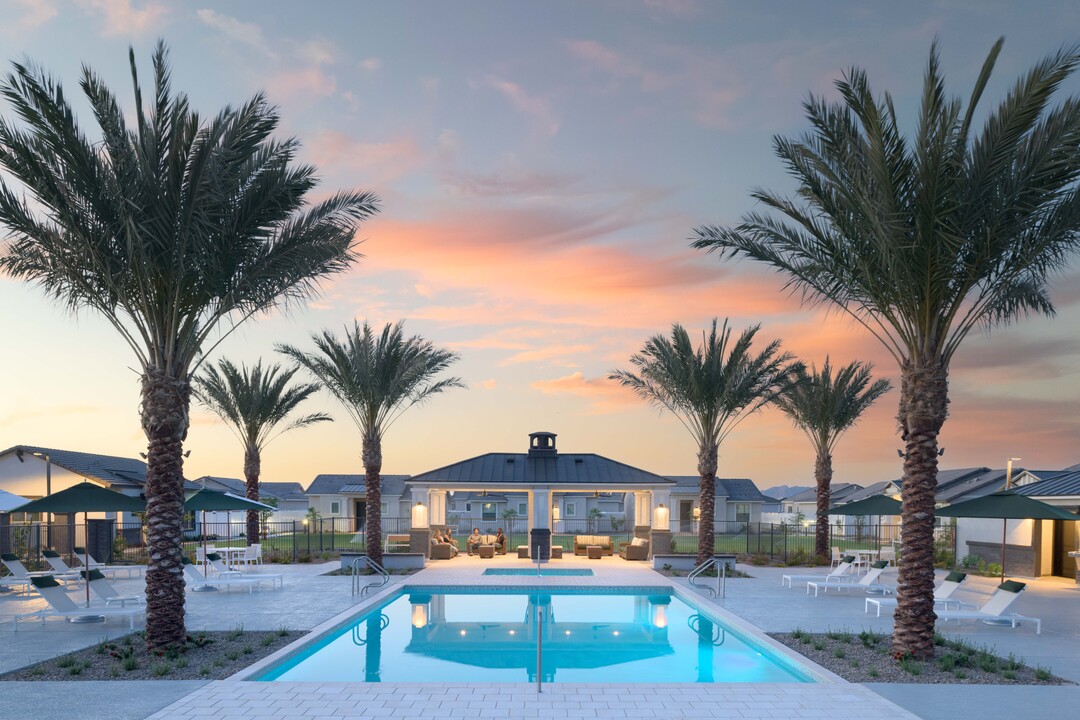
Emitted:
<point x="357" y="565"/>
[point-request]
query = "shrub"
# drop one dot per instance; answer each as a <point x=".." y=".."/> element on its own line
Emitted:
<point x="161" y="670"/>
<point x="970" y="561"/>
<point x="910" y="665"/>
<point x="993" y="569"/>
<point x="130" y="663"/>
<point x="1043" y="674"/>
<point x="758" y="559"/>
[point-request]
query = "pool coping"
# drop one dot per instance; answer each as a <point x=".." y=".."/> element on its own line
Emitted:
<point x="788" y="657"/>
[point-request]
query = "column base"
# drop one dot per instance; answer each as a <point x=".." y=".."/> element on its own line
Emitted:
<point x="540" y="544"/>
<point x="420" y="541"/>
<point x="659" y="542"/>
<point x="642" y="531"/>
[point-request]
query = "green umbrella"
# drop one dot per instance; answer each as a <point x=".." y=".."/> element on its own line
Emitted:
<point x="1006" y="505"/>
<point x="874" y="505"/>
<point x="205" y="500"/>
<point x="85" y="498"/>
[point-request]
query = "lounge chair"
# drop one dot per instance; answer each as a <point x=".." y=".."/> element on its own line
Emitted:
<point x="109" y="570"/>
<point x="843" y="569"/>
<point x="866" y="582"/>
<point x="60" y="605"/>
<point x="942" y="594"/>
<point x="19" y="572"/>
<point x="195" y="579"/>
<point x="10" y="581"/>
<point x="994" y="608"/>
<point x="219" y="568"/>
<point x="104" y="590"/>
<point x="61" y="568"/>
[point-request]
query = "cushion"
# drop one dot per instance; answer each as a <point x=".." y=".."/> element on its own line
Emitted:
<point x="213" y="556"/>
<point x="92" y="575"/>
<point x="50" y="554"/>
<point x="9" y="556"/>
<point x="45" y="581"/>
<point x="880" y="564"/>
<point x="1012" y="586"/>
<point x="955" y="577"/>
<point x="848" y="559"/>
<point x="638" y="542"/>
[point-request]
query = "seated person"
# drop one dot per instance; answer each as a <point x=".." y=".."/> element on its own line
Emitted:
<point x="472" y="544"/>
<point x="449" y="537"/>
<point x="440" y="539"/>
<point x="500" y="541"/>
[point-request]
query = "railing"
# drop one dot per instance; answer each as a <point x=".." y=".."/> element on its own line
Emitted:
<point x="357" y="565"/>
<point x="539" y="646"/>
<point x="720" y="564"/>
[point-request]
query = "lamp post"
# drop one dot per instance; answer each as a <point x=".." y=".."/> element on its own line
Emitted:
<point x="1008" y="472"/>
<point x="307" y="532"/>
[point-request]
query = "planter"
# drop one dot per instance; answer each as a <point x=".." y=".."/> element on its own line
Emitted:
<point x="677" y="562"/>
<point x="396" y="561"/>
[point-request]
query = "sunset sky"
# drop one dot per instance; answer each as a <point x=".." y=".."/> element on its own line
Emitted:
<point x="541" y="167"/>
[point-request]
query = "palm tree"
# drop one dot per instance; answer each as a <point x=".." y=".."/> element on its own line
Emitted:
<point x="166" y="229"/>
<point x="921" y="241"/>
<point x="824" y="407"/>
<point x="710" y="390"/>
<point x="253" y="403"/>
<point x="376" y="379"/>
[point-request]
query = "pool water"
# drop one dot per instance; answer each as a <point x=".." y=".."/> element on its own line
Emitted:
<point x="490" y="635"/>
<point x="546" y="572"/>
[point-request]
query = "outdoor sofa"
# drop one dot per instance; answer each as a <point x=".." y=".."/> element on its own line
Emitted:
<point x="582" y="542"/>
<point x="636" y="549"/>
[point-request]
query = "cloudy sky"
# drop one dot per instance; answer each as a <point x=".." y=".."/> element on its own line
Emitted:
<point x="541" y="167"/>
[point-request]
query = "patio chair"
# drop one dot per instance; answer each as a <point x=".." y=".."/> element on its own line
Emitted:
<point x="995" y="608"/>
<point x="60" y="605"/>
<point x="942" y="594"/>
<point x="109" y="570"/>
<point x="195" y="579"/>
<point x="888" y="554"/>
<point x="836" y="557"/>
<point x="19" y="572"/>
<point x="866" y="582"/>
<point x="219" y="567"/>
<point x="844" y="568"/>
<point x="104" y="590"/>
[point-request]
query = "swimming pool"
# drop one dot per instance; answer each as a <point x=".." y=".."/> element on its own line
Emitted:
<point x="546" y="572"/>
<point x="442" y="634"/>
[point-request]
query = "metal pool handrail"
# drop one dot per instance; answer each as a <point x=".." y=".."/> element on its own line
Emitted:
<point x="720" y="563"/>
<point x="539" y="648"/>
<point x="357" y="565"/>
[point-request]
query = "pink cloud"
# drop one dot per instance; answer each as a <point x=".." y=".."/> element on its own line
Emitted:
<point x="536" y="109"/>
<point x="121" y="18"/>
<point x="302" y="83"/>
<point x="551" y="354"/>
<point x="604" y="396"/>
<point x="377" y="163"/>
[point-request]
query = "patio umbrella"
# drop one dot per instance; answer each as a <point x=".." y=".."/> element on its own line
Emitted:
<point x="205" y="500"/>
<point x="85" y="497"/>
<point x="10" y="500"/>
<point x="874" y="505"/>
<point x="1006" y="505"/>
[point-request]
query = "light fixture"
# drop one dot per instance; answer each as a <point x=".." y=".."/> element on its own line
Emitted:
<point x="567" y="632"/>
<point x="419" y="615"/>
<point x="462" y="633"/>
<point x="661" y="518"/>
<point x="555" y="512"/>
<point x="697" y="513"/>
<point x="614" y="632"/>
<point x="659" y="616"/>
<point x="513" y="632"/>
<point x="419" y="515"/>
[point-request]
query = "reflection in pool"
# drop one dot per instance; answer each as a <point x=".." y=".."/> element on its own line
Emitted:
<point x="450" y="636"/>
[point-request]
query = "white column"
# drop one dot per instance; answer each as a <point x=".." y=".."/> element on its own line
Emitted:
<point x="642" y="508"/>
<point x="540" y="512"/>
<point x="438" y="507"/>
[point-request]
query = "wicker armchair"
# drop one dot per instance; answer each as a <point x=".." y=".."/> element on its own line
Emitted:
<point x="630" y="551"/>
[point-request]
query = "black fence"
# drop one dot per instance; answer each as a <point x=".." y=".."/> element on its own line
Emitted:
<point x="322" y="538"/>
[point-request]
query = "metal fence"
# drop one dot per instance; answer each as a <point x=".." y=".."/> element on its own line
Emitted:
<point x="300" y="541"/>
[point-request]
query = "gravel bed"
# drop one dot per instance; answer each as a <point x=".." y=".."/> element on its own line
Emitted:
<point x="207" y="656"/>
<point x="865" y="658"/>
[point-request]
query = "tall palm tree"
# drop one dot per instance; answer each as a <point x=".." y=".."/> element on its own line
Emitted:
<point x="376" y="379"/>
<point x="254" y="403"/>
<point x="921" y="241"/>
<point x="710" y="390"/>
<point x="166" y="229"/>
<point x="825" y="407"/>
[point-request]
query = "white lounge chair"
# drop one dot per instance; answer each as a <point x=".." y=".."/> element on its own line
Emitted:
<point x="942" y="594"/>
<point x="194" y="579"/>
<point x="109" y="570"/>
<point x="104" y="590"/>
<point x="19" y="571"/>
<point x="994" y="608"/>
<point x="60" y="605"/>
<point x="836" y="556"/>
<point x="843" y="569"/>
<point x="866" y="582"/>
<point x="219" y="567"/>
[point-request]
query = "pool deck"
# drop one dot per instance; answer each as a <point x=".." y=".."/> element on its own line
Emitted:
<point x="310" y="599"/>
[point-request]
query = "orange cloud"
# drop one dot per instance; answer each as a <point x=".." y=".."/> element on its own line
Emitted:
<point x="604" y="396"/>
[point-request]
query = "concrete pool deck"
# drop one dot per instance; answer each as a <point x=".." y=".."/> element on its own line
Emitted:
<point x="309" y="599"/>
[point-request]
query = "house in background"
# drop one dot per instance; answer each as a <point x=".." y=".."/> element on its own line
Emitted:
<point x="343" y="498"/>
<point x="291" y="504"/>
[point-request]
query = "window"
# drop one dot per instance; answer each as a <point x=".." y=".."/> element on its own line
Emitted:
<point x="523" y="509"/>
<point x="382" y="508"/>
<point x="488" y="511"/>
<point x="570" y="510"/>
<point x="742" y="512"/>
<point x="468" y="507"/>
<point x="335" y="508"/>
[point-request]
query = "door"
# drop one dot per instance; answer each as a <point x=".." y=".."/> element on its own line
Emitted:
<point x="360" y="516"/>
<point x="686" y="516"/>
<point x="1065" y="542"/>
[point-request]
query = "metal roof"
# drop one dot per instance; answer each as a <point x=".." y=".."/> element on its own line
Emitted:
<point x="556" y="469"/>
<point x="336" y="484"/>
<point x="734" y="489"/>
<point x="868" y="491"/>
<point x="114" y="471"/>
<point x="837" y="493"/>
<point x="283" y="490"/>
<point x="1063" y="483"/>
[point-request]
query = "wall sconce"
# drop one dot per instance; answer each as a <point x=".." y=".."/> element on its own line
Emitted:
<point x="659" y="617"/>
<point x="419" y="616"/>
<point x="555" y="512"/>
<point x="661" y="518"/>
<point x="697" y="513"/>
<point x="419" y="515"/>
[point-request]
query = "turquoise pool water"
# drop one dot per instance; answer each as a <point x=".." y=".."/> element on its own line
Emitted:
<point x="546" y="572"/>
<point x="489" y="635"/>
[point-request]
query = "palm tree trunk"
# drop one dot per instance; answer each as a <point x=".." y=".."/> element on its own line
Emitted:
<point x="252" y="469"/>
<point x="923" y="408"/>
<point x="372" y="457"/>
<point x="707" y="502"/>
<point x="823" y="477"/>
<point x="164" y="417"/>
